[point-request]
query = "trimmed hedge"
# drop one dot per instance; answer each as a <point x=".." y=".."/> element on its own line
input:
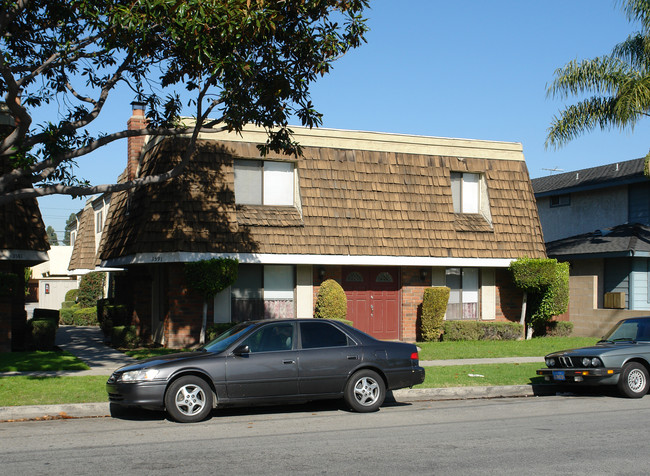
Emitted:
<point x="125" y="337"/>
<point x="41" y="334"/>
<point x="46" y="315"/>
<point x="41" y="329"/>
<point x="214" y="330"/>
<point x="79" y="316"/>
<point x="555" y="329"/>
<point x="474" y="330"/>
<point x="434" y="306"/>
<point x="110" y="315"/>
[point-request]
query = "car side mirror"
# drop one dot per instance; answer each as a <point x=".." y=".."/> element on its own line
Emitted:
<point x="241" y="350"/>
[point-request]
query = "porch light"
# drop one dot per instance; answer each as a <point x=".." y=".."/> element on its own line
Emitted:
<point x="321" y="273"/>
<point x="423" y="274"/>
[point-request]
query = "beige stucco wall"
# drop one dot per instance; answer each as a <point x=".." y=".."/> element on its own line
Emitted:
<point x="587" y="319"/>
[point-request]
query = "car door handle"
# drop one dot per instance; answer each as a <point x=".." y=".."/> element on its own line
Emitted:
<point x="288" y="361"/>
<point x="353" y="357"/>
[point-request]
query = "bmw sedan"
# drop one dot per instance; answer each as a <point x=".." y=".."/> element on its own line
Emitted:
<point x="621" y="358"/>
<point x="270" y="361"/>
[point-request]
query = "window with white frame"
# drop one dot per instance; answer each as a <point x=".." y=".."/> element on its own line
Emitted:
<point x="466" y="192"/>
<point x="259" y="182"/>
<point x="263" y="291"/>
<point x="463" y="284"/>
<point x="99" y="221"/>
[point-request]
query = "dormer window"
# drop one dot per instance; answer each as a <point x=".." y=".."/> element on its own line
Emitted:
<point x="469" y="194"/>
<point x="259" y="182"/>
<point x="99" y="221"/>
<point x="465" y="192"/>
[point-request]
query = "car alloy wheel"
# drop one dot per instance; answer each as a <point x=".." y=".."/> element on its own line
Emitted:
<point x="188" y="399"/>
<point x="633" y="381"/>
<point x="365" y="391"/>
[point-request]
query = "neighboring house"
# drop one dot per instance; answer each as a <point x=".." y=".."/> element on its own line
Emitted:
<point x="86" y="235"/>
<point x="386" y="215"/>
<point x="598" y="219"/>
<point x="52" y="278"/>
<point x="23" y="243"/>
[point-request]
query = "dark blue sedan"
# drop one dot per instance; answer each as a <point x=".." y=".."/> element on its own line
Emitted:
<point x="280" y="360"/>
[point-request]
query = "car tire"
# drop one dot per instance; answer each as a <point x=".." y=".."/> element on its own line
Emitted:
<point x="633" y="381"/>
<point x="188" y="399"/>
<point x="365" y="391"/>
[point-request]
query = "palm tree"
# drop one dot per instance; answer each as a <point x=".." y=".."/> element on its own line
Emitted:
<point x="618" y="85"/>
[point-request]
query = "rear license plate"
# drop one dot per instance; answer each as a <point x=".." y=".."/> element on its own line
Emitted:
<point x="558" y="375"/>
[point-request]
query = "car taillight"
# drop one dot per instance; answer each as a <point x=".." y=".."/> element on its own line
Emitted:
<point x="414" y="356"/>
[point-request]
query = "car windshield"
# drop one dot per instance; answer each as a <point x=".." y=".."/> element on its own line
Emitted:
<point x="629" y="330"/>
<point x="223" y="341"/>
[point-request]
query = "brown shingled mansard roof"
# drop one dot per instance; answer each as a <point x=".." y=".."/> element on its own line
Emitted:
<point x="361" y="194"/>
<point x="84" y="254"/>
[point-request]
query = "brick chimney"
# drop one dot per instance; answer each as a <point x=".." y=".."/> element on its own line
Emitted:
<point x="135" y="144"/>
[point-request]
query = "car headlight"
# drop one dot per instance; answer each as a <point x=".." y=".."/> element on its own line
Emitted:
<point x="591" y="362"/>
<point x="550" y="362"/>
<point x="139" y="375"/>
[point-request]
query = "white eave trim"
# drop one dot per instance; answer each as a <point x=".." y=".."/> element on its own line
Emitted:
<point x="322" y="260"/>
<point x="83" y="271"/>
<point x="24" y="255"/>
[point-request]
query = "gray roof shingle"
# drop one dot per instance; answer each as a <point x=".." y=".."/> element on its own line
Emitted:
<point x="592" y="178"/>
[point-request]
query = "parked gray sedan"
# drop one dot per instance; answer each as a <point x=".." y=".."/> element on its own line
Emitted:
<point x="621" y="358"/>
<point x="281" y="360"/>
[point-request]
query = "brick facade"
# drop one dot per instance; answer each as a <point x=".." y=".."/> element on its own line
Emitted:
<point x="508" y="297"/>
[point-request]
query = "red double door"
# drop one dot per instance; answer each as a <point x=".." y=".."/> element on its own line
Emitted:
<point x="373" y="300"/>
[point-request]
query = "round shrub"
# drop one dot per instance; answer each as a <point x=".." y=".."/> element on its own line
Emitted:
<point x="71" y="295"/>
<point x="331" y="302"/>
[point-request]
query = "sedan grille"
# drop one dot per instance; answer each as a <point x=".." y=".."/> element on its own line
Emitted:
<point x="565" y="361"/>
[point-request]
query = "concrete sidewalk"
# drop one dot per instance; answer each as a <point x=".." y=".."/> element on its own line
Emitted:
<point x="87" y="343"/>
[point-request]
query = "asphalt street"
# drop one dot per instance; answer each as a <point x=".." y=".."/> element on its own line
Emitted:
<point x="586" y="435"/>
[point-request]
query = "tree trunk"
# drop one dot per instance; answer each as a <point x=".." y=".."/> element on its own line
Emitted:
<point x="522" y="319"/>
<point x="204" y="323"/>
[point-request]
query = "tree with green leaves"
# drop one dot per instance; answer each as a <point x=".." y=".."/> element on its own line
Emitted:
<point x="240" y="61"/>
<point x="209" y="278"/>
<point x="545" y="283"/>
<point x="617" y="85"/>
<point x="51" y="236"/>
<point x="68" y="224"/>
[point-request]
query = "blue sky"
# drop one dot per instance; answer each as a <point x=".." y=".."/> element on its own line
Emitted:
<point x="464" y="68"/>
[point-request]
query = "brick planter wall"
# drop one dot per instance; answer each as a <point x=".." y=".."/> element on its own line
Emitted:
<point x="412" y="294"/>
<point x="185" y="311"/>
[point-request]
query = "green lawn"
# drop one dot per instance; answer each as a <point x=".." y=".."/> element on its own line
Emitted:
<point x="39" y="361"/>
<point x="25" y="390"/>
<point x="58" y="390"/>
<point x="481" y="375"/>
<point x="537" y="347"/>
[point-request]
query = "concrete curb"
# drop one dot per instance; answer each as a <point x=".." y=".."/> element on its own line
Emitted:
<point x="52" y="412"/>
<point x="102" y="409"/>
